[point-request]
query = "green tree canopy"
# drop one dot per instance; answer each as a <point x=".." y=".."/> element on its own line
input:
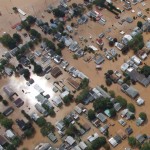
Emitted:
<point x="17" y="37"/>
<point x="67" y="99"/>
<point x="35" y="33"/>
<point x="98" y="143"/>
<point x="146" y="146"/>
<point x="84" y="83"/>
<point x="26" y="74"/>
<point x="7" y="123"/>
<point x="58" y="13"/>
<point x="25" y="25"/>
<point x="139" y="24"/>
<point x="131" y="107"/>
<point x="8" y="41"/>
<point x="91" y="114"/>
<point x="122" y="101"/>
<point x="145" y="70"/>
<point x="132" y="141"/>
<point x="41" y="121"/>
<point x="31" y="20"/>
<point x="37" y="69"/>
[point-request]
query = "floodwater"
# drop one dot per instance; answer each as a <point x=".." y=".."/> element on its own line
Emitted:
<point x="36" y="8"/>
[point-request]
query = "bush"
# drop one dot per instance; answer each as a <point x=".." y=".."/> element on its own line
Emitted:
<point x="91" y="115"/>
<point x="108" y="82"/>
<point x="7" y="123"/>
<point x="1" y="97"/>
<point x="5" y="102"/>
<point x="112" y="94"/>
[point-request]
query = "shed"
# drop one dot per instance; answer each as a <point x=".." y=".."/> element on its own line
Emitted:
<point x="52" y="137"/>
<point x="139" y="121"/>
<point x="118" y="138"/>
<point x="122" y="134"/>
<point x="78" y="109"/>
<point x="82" y="145"/>
<point x="117" y="106"/>
<point x="140" y="138"/>
<point x="70" y="140"/>
<point x="64" y="94"/>
<point x="18" y="102"/>
<point x="99" y="59"/>
<point x="101" y="117"/>
<point x="8" y="111"/>
<point x="57" y="101"/>
<point x="8" y="91"/>
<point x="104" y="128"/>
<point x="9" y="134"/>
<point x="113" y="142"/>
<point x="73" y="83"/>
<point x="56" y="72"/>
<point x="41" y="109"/>
<point x="60" y="125"/>
<point x="86" y="126"/>
<point x="129" y="130"/>
<point x="2" y="140"/>
<point x="140" y="101"/>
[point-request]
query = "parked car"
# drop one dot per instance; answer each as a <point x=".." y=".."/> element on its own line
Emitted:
<point x="101" y="35"/>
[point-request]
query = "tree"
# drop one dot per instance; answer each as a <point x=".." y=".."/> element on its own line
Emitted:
<point x="131" y="107"/>
<point x="26" y="74"/>
<point x="84" y="83"/>
<point x="108" y="82"/>
<point x="50" y="111"/>
<point x="58" y="13"/>
<point x="49" y="44"/>
<point x="67" y="99"/>
<point x="125" y="49"/>
<point x="82" y="95"/>
<point x="115" y="40"/>
<point x="29" y="132"/>
<point x="101" y="104"/>
<point x="61" y="45"/>
<point x="74" y="5"/>
<point x="91" y="114"/>
<point x="139" y="24"/>
<point x="110" y="72"/>
<point x="75" y="56"/>
<point x="37" y="69"/>
<point x="112" y="112"/>
<point x="100" y="3"/>
<point x="16" y="141"/>
<point x="146" y="146"/>
<point x="112" y="94"/>
<point x="8" y="41"/>
<point x="145" y="70"/>
<point x="35" y="34"/>
<point x="31" y="20"/>
<point x="41" y="121"/>
<point x="17" y="37"/>
<point x="7" y="123"/>
<point x="5" y="102"/>
<point x="98" y="143"/>
<point x="111" y="43"/>
<point x="58" y="52"/>
<point x="132" y="141"/>
<point x="11" y="147"/>
<point x="25" y="25"/>
<point x="15" y="9"/>
<point x="1" y="97"/>
<point x="47" y="128"/>
<point x="122" y="101"/>
<point x="143" y="116"/>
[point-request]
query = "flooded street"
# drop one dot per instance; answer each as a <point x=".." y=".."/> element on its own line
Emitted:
<point x="93" y="29"/>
